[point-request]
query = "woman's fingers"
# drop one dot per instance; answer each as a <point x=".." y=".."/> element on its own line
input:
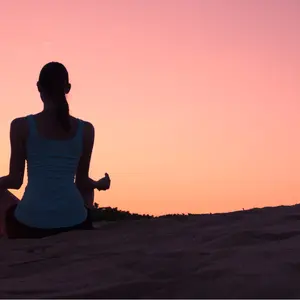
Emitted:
<point x="107" y="177"/>
<point x="104" y="183"/>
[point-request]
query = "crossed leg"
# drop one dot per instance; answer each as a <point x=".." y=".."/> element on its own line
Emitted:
<point x="7" y="200"/>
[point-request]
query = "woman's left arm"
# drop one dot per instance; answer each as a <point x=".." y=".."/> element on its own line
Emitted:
<point x="14" y="179"/>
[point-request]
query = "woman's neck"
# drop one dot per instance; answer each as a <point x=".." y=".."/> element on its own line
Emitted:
<point x="49" y="106"/>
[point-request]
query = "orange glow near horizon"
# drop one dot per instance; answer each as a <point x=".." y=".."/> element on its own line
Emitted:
<point x="195" y="102"/>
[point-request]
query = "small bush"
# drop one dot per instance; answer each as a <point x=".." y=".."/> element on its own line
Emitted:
<point x="114" y="214"/>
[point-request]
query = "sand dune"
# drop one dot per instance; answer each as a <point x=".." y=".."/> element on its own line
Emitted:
<point x="253" y="254"/>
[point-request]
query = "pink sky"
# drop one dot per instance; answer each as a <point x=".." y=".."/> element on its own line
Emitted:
<point x="195" y="103"/>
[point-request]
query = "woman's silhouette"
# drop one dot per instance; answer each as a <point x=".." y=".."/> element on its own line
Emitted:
<point x="58" y="150"/>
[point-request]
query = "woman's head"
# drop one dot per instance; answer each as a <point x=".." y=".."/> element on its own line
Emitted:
<point x="53" y="86"/>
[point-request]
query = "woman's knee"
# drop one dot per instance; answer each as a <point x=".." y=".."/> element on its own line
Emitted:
<point x="7" y="202"/>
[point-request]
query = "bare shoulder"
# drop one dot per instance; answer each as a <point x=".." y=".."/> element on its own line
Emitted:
<point x="88" y="132"/>
<point x="88" y="137"/>
<point x="19" y="126"/>
<point x="18" y="122"/>
<point x="88" y="128"/>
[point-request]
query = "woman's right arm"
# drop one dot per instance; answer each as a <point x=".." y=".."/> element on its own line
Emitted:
<point x="82" y="181"/>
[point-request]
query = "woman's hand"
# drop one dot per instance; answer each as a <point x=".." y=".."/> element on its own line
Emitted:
<point x="104" y="183"/>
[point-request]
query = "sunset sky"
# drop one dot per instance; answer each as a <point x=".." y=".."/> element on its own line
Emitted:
<point x="195" y="102"/>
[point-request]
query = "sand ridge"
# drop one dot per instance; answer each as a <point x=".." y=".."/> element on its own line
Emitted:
<point x="253" y="254"/>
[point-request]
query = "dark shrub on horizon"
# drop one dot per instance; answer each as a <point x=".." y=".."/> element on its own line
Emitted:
<point x="114" y="214"/>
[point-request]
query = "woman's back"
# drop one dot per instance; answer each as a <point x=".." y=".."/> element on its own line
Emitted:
<point x="51" y="198"/>
<point x="57" y="147"/>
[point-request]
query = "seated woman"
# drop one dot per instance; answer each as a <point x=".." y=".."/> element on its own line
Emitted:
<point x="58" y="149"/>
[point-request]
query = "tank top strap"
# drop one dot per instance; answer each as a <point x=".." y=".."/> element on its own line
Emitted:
<point x="32" y="125"/>
<point x="80" y="129"/>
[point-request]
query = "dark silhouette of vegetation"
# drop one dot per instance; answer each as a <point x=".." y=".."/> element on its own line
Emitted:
<point x="114" y="214"/>
<point x="99" y="214"/>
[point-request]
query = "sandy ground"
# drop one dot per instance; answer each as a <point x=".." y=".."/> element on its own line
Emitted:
<point x="253" y="254"/>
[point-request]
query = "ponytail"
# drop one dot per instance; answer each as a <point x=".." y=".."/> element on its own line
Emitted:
<point x="62" y="110"/>
<point x="53" y="80"/>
